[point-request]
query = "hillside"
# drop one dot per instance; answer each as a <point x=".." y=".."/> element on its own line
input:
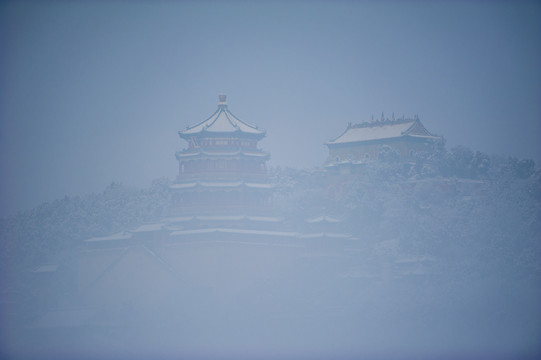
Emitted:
<point x="444" y="252"/>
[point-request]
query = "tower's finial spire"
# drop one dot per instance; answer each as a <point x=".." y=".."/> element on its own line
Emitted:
<point x="222" y="102"/>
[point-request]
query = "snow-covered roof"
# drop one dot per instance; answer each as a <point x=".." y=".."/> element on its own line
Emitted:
<point x="235" y="231"/>
<point x="256" y="154"/>
<point x="221" y="122"/>
<point x="222" y="154"/>
<point x="385" y="129"/>
<point x="260" y="233"/>
<point x="323" y="218"/>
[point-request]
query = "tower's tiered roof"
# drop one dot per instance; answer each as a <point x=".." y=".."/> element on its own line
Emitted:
<point x="222" y="122"/>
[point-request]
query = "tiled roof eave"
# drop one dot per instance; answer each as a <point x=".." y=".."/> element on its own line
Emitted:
<point x="430" y="137"/>
<point x="236" y="133"/>
<point x="381" y="140"/>
<point x="353" y="142"/>
<point x="187" y="155"/>
<point x="225" y="155"/>
<point x="236" y="231"/>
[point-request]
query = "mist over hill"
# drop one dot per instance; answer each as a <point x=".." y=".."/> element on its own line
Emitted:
<point x="447" y="249"/>
<point x="64" y="223"/>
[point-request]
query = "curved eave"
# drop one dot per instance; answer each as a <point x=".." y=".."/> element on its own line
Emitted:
<point x="236" y="153"/>
<point x="403" y="136"/>
<point x="256" y="154"/>
<point x="427" y="137"/>
<point x="221" y="122"/>
<point x="190" y="130"/>
<point x="332" y="141"/>
<point x="180" y="155"/>
<point x="323" y="219"/>
<point x="191" y="155"/>
<point x="205" y="133"/>
<point x="356" y="142"/>
<point x="268" y="233"/>
<point x="382" y="131"/>
<point x="237" y="121"/>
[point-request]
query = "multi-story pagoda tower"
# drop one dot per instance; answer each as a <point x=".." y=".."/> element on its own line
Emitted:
<point x="222" y="170"/>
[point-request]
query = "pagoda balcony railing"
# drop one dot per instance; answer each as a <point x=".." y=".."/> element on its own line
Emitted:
<point x="227" y="147"/>
<point x="222" y="152"/>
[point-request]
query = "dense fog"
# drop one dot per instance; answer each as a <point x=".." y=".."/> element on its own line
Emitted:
<point x="310" y="229"/>
<point x="442" y="263"/>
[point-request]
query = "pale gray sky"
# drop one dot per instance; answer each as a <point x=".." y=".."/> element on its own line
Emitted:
<point x="95" y="92"/>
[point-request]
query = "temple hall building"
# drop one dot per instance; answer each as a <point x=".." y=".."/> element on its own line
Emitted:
<point x="370" y="141"/>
